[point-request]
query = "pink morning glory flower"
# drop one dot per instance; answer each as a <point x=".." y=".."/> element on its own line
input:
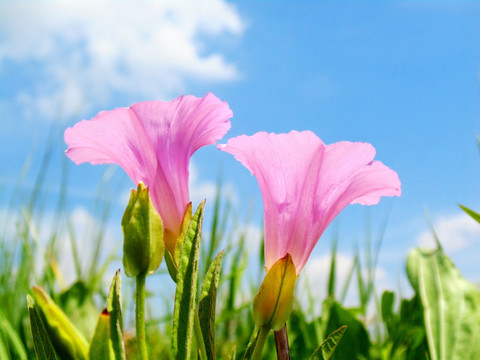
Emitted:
<point x="153" y="142"/>
<point x="305" y="184"/>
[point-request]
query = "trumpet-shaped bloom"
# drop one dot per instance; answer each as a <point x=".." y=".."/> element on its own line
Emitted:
<point x="305" y="184"/>
<point x="153" y="142"/>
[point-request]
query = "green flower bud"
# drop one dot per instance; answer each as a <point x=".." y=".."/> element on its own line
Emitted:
<point x="273" y="304"/>
<point x="143" y="234"/>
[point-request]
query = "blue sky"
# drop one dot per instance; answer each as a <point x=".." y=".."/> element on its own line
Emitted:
<point x="402" y="76"/>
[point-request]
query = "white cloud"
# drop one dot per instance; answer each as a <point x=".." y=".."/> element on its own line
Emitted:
<point x="314" y="276"/>
<point x="455" y="232"/>
<point x="84" y="52"/>
<point x="313" y="281"/>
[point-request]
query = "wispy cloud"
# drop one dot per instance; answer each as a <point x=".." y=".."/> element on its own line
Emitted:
<point x="82" y="53"/>
<point x="455" y="232"/>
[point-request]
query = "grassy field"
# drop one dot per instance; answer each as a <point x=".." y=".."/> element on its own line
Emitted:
<point x="441" y="320"/>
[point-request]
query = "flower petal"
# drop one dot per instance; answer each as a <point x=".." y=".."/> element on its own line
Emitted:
<point x="281" y="164"/>
<point x="305" y="184"/>
<point x="176" y="130"/>
<point x="153" y="142"/>
<point x="114" y="137"/>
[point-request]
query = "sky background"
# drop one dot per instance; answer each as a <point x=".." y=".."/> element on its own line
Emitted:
<point x="403" y="76"/>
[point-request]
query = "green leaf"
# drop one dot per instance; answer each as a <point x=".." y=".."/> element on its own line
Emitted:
<point x="101" y="345"/>
<point x="326" y="349"/>
<point x="41" y="341"/>
<point x="206" y="305"/>
<point x="473" y="214"/>
<point x="67" y="340"/>
<point x="114" y="307"/>
<point x="355" y="343"/>
<point x="186" y="292"/>
<point x="388" y="299"/>
<point x="451" y="305"/>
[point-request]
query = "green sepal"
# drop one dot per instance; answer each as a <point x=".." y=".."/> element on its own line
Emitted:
<point x="67" y="340"/>
<point x="186" y="291"/>
<point x="41" y="340"/>
<point x="114" y="308"/>
<point x="172" y="259"/>
<point x="187" y="217"/>
<point x="172" y="268"/>
<point x="142" y="227"/>
<point x="274" y="302"/>
<point x="101" y="345"/>
<point x="326" y="349"/>
<point x="206" y="305"/>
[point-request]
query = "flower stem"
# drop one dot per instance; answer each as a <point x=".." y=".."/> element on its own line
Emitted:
<point x="281" y="344"/>
<point x="199" y="337"/>
<point x="140" y="315"/>
<point x="262" y="337"/>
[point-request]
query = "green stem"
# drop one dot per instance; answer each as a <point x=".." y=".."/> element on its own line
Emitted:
<point x="140" y="315"/>
<point x="199" y="337"/>
<point x="262" y="337"/>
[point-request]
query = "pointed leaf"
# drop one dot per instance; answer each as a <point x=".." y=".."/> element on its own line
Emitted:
<point x="473" y="214"/>
<point x="326" y="349"/>
<point x="67" y="340"/>
<point x="451" y="305"/>
<point x="186" y="292"/>
<point x="114" y="307"/>
<point x="206" y="306"/>
<point x="41" y="341"/>
<point x="101" y="345"/>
